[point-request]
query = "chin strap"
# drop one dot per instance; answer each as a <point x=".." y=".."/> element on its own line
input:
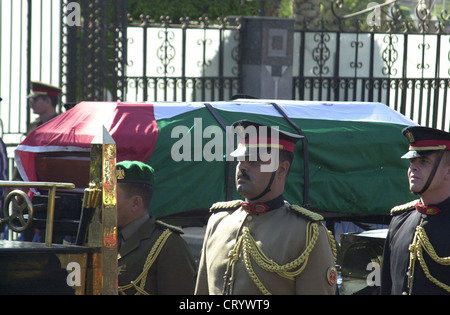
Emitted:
<point x="433" y="172"/>
<point x="267" y="188"/>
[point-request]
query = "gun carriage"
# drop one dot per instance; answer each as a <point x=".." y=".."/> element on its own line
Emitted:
<point x="88" y="265"/>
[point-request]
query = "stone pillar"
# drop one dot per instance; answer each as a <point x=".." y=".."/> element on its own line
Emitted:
<point x="266" y="57"/>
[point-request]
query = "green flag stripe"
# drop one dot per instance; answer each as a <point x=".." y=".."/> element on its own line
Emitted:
<point x="355" y="167"/>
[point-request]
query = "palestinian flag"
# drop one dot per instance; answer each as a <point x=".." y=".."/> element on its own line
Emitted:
<point x="353" y="150"/>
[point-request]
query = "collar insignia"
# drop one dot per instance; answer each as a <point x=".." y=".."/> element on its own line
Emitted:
<point x="427" y="210"/>
<point x="254" y="208"/>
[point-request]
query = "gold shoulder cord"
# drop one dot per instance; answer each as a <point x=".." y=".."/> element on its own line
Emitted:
<point x="141" y="280"/>
<point x="419" y="243"/>
<point x="251" y="249"/>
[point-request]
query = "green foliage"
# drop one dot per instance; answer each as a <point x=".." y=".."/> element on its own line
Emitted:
<point x="194" y="9"/>
<point x="285" y="9"/>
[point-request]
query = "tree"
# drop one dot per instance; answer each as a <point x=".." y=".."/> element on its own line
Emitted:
<point x="194" y="9"/>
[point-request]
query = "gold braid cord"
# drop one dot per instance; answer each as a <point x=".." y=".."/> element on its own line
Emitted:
<point x="139" y="283"/>
<point x="332" y="242"/>
<point x="251" y="249"/>
<point x="419" y="243"/>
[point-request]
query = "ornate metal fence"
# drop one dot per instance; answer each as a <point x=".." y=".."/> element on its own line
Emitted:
<point x="181" y="62"/>
<point x="402" y="63"/>
<point x="93" y="53"/>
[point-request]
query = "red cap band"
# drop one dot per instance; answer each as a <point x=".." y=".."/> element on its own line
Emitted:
<point x="267" y="142"/>
<point x="429" y="144"/>
<point x="48" y="92"/>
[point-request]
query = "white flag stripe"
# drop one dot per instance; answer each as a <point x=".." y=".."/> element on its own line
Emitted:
<point x="340" y="111"/>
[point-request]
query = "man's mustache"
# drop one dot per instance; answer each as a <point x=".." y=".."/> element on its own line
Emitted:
<point x="243" y="174"/>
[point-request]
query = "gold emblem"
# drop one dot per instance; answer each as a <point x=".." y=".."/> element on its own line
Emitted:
<point x="410" y="136"/>
<point x="120" y="173"/>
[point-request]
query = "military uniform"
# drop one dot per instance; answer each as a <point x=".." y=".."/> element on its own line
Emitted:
<point x="153" y="257"/>
<point x="42" y="89"/>
<point x="406" y="256"/>
<point x="416" y="257"/>
<point x="157" y="260"/>
<point x="265" y="246"/>
<point x="36" y="123"/>
<point x="285" y="250"/>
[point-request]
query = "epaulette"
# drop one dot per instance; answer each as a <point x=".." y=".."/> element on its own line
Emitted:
<point x="170" y="227"/>
<point x="402" y="208"/>
<point x="225" y="206"/>
<point x="308" y="214"/>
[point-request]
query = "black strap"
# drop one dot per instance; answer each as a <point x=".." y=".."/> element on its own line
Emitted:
<point x="272" y="177"/>
<point x="230" y="164"/>
<point x="305" y="155"/>
<point x="432" y="173"/>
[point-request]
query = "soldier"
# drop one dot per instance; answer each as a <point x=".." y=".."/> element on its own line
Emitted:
<point x="265" y="245"/>
<point x="153" y="257"/>
<point x="417" y="249"/>
<point x="43" y="101"/>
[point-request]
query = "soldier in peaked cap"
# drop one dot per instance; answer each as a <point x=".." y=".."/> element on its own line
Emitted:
<point x="264" y="245"/>
<point x="153" y="257"/>
<point x="417" y="248"/>
<point x="43" y="101"/>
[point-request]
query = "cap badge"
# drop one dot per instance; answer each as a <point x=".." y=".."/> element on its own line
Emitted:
<point x="410" y="136"/>
<point x="120" y="173"/>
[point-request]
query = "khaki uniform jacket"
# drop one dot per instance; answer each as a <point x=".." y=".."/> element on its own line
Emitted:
<point x="281" y="236"/>
<point x="38" y="122"/>
<point x="173" y="272"/>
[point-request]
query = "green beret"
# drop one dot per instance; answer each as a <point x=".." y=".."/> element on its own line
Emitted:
<point x="134" y="172"/>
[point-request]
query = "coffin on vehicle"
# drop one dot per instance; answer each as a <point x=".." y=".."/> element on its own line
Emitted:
<point x="348" y="165"/>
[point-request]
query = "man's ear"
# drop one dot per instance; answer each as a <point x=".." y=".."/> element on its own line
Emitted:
<point x="446" y="159"/>
<point x="447" y="174"/>
<point x="48" y="101"/>
<point x="136" y="202"/>
<point x="283" y="168"/>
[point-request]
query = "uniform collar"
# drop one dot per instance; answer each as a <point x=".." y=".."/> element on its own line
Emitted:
<point x="433" y="209"/>
<point x="131" y="228"/>
<point x="260" y="208"/>
<point x="428" y="210"/>
<point x="131" y="241"/>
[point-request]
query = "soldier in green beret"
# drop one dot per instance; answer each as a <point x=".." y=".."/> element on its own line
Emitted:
<point x="264" y="245"/>
<point x="153" y="257"/>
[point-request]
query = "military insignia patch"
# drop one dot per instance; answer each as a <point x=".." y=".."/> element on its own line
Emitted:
<point x="332" y="276"/>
